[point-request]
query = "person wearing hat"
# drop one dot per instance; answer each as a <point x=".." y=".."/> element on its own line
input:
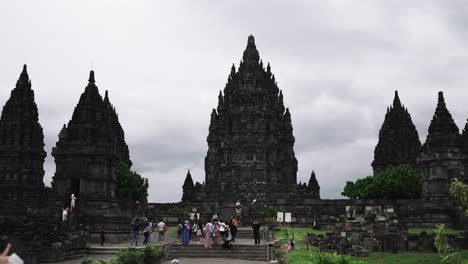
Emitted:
<point x="186" y="233"/>
<point x="227" y="240"/>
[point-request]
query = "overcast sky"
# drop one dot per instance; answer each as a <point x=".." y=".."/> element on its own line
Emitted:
<point x="337" y="62"/>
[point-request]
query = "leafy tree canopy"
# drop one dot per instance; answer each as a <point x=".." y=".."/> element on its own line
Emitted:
<point x="400" y="182"/>
<point x="130" y="185"/>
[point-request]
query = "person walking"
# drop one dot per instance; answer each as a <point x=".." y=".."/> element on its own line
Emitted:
<point x="151" y="230"/>
<point x="233" y="228"/>
<point x="207" y="230"/>
<point x="146" y="233"/>
<point x="186" y="233"/>
<point x="256" y="232"/>
<point x="222" y="228"/>
<point x="103" y="236"/>
<point x="180" y="228"/>
<point x="161" y="230"/>
<point x="65" y="214"/>
<point x="199" y="232"/>
<point x="217" y="235"/>
<point x="194" y="231"/>
<point x="136" y="233"/>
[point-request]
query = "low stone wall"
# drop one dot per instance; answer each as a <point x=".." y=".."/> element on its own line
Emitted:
<point x="326" y="213"/>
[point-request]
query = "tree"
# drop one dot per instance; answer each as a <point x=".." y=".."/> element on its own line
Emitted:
<point x="459" y="190"/>
<point x="130" y="185"/>
<point x="400" y="182"/>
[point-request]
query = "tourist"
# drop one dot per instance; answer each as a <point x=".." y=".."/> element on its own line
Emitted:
<point x="256" y="232"/>
<point x="136" y="233"/>
<point x="194" y="231"/>
<point x="227" y="239"/>
<point x="199" y="232"/>
<point x="207" y="230"/>
<point x="233" y="228"/>
<point x="161" y="230"/>
<point x="180" y="228"/>
<point x="65" y="214"/>
<point x="238" y="211"/>
<point x="190" y="229"/>
<point x="222" y="228"/>
<point x="217" y="234"/>
<point x="4" y="255"/>
<point x="72" y="202"/>
<point x="186" y="233"/>
<point x="151" y="230"/>
<point x="291" y="244"/>
<point x="215" y="217"/>
<point x="146" y="233"/>
<point x="103" y="236"/>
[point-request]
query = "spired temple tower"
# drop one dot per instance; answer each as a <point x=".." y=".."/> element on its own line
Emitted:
<point x="21" y="149"/>
<point x="250" y="140"/>
<point x="398" y="139"/>
<point x="442" y="155"/>
<point x="85" y="154"/>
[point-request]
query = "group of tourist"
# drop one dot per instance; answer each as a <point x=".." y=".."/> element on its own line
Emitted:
<point x="214" y="233"/>
<point x="147" y="227"/>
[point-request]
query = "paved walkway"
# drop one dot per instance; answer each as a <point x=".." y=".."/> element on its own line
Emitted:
<point x="215" y="261"/>
<point x="181" y="261"/>
<point x="93" y="257"/>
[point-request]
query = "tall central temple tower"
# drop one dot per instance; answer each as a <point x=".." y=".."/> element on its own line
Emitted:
<point x="250" y="141"/>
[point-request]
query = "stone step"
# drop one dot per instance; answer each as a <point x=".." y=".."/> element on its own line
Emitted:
<point x="210" y="250"/>
<point x="224" y="256"/>
<point x="244" y="252"/>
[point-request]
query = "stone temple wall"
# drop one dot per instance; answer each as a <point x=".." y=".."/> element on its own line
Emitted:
<point x="326" y="213"/>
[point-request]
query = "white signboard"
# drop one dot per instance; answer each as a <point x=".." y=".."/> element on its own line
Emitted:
<point x="280" y="218"/>
<point x="287" y="217"/>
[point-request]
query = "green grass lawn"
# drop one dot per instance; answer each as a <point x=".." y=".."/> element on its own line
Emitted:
<point x="172" y="231"/>
<point x="303" y="256"/>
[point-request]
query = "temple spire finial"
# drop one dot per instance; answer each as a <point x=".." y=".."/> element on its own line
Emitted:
<point x="251" y="41"/>
<point x="441" y="97"/>
<point x="251" y="52"/>
<point x="91" y="77"/>
<point x="106" y="97"/>
<point x="396" y="100"/>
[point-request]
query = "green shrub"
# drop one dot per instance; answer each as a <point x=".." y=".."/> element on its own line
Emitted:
<point x="281" y="256"/>
<point x="90" y="261"/>
<point x="131" y="256"/>
<point x="153" y="254"/>
<point x="334" y="258"/>
<point x="400" y="182"/>
<point x="87" y="261"/>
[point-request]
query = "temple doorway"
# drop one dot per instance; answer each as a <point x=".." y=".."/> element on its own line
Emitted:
<point x="75" y="187"/>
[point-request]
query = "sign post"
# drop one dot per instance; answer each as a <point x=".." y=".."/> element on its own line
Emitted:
<point x="280" y="218"/>
<point x="287" y="220"/>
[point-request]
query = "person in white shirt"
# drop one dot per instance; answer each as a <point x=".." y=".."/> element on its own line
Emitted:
<point x="222" y="228"/>
<point x="161" y="230"/>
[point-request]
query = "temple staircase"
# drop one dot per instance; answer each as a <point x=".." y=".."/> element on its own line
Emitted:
<point x="238" y="251"/>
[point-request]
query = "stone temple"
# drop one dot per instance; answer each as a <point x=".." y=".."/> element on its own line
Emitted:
<point x="398" y="139"/>
<point x="84" y="156"/>
<point x="250" y="141"/>
<point x="250" y="158"/>
<point x="21" y="149"/>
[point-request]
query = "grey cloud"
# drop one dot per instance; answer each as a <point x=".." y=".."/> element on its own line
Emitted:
<point x="337" y="62"/>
